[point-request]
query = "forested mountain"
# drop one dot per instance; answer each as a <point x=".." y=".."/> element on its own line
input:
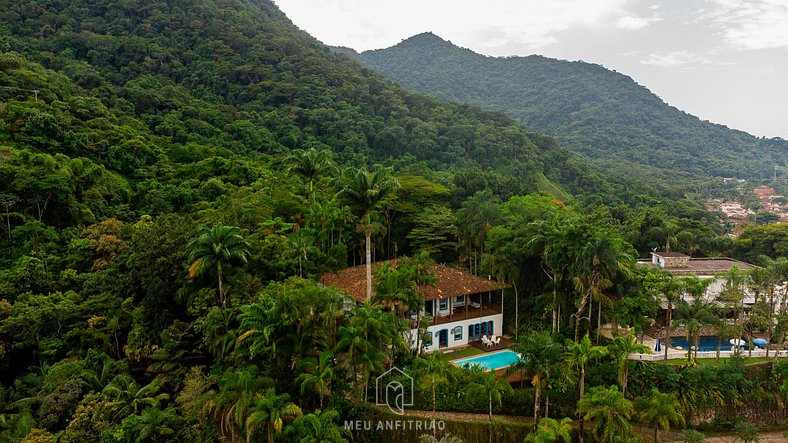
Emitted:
<point x="239" y="77"/>
<point x="589" y="109"/>
<point x="175" y="176"/>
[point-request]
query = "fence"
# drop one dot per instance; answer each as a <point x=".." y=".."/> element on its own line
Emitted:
<point x="705" y="354"/>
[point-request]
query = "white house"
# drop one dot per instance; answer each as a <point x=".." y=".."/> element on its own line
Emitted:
<point x="680" y="264"/>
<point x="461" y="307"/>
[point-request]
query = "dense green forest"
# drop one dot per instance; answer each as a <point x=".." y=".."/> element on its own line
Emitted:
<point x="589" y="109"/>
<point x="176" y="175"/>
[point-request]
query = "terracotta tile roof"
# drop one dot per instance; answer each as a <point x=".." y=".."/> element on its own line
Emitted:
<point x="451" y="282"/>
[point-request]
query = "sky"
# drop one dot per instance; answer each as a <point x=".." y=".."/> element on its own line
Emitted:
<point x="725" y="61"/>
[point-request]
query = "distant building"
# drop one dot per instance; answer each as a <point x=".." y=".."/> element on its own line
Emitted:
<point x="680" y="264"/>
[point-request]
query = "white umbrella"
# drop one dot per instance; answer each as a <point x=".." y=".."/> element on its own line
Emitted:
<point x="737" y="342"/>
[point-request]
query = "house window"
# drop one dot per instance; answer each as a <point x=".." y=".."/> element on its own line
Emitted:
<point x="457" y="331"/>
<point x="443" y="305"/>
<point x="490" y="328"/>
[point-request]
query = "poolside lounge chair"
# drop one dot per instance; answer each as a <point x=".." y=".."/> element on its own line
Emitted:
<point x="497" y="341"/>
<point x="485" y="340"/>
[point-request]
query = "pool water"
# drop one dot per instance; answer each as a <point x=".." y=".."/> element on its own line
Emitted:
<point x="495" y="360"/>
<point x="707" y="343"/>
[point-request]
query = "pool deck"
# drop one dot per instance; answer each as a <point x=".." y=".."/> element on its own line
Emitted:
<point x="505" y="342"/>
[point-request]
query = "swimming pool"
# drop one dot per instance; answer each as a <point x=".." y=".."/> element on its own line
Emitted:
<point x="492" y="361"/>
<point x="707" y="343"/>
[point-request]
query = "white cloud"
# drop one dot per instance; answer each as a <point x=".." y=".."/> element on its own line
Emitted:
<point x="633" y="23"/>
<point x="674" y="59"/>
<point x="377" y="24"/>
<point x="750" y="24"/>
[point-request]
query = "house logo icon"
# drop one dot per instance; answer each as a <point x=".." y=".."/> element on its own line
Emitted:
<point x="394" y="388"/>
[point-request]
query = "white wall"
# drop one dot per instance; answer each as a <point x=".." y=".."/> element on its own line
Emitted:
<point x="497" y="320"/>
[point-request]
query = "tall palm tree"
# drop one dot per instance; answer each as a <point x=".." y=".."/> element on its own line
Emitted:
<point x="671" y="290"/>
<point x="365" y="191"/>
<point x="658" y="411"/>
<point x="236" y="399"/>
<point x="539" y="353"/>
<point x="214" y="247"/>
<point x="318" y="373"/>
<point x="320" y="427"/>
<point x="353" y="343"/>
<point x="551" y="430"/>
<point x="621" y="347"/>
<point x="693" y="317"/>
<point x="488" y="385"/>
<point x="270" y="410"/>
<point x="475" y="218"/>
<point x="597" y="266"/>
<point x="609" y="412"/>
<point x="733" y="293"/>
<point x="310" y="164"/>
<point x="434" y="367"/>
<point x="579" y="354"/>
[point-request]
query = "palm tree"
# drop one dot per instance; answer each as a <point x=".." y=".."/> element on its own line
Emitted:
<point x="318" y="373"/>
<point x="213" y="247"/>
<point x="693" y="316"/>
<point x="320" y="427"/>
<point x="598" y="264"/>
<point x="236" y="399"/>
<point x="433" y="366"/>
<point x="475" y="218"/>
<point x="488" y="385"/>
<point x="505" y="270"/>
<point x="310" y="164"/>
<point x="579" y="354"/>
<point x="609" y="412"/>
<point x="551" y="430"/>
<point x="155" y="425"/>
<point x="353" y="343"/>
<point x="125" y="390"/>
<point x="538" y="354"/>
<point x="621" y="347"/>
<point x="692" y="436"/>
<point x="658" y="411"/>
<point x="671" y="290"/>
<point x="733" y="293"/>
<point x="270" y="410"/>
<point x="366" y="190"/>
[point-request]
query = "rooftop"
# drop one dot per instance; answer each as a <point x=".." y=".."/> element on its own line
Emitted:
<point x="669" y="254"/>
<point x="451" y="282"/>
<point x="703" y="266"/>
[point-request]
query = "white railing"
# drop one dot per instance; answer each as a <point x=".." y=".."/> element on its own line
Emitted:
<point x="704" y="354"/>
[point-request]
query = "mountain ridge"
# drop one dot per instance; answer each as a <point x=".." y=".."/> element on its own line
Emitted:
<point x="590" y="109"/>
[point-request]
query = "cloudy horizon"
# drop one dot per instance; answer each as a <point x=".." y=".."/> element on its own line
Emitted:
<point x="720" y="60"/>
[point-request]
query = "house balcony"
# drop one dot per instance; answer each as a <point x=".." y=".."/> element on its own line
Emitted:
<point x="462" y="313"/>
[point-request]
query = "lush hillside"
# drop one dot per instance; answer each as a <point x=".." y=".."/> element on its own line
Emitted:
<point x="589" y="109"/>
<point x="238" y="75"/>
<point x="176" y="176"/>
